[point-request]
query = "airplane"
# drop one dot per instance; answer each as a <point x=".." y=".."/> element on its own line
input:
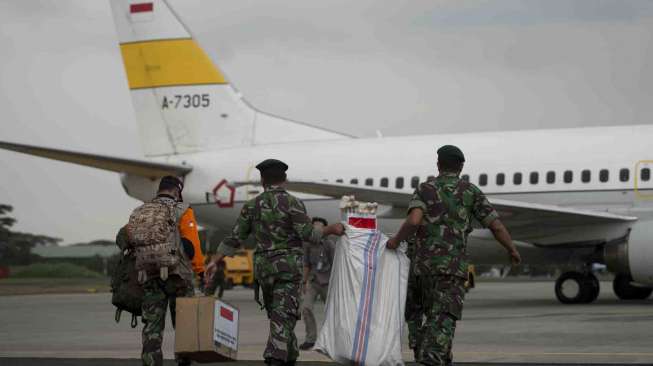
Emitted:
<point x="570" y="197"/>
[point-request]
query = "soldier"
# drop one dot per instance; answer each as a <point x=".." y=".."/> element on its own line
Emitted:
<point x="160" y="293"/>
<point x="318" y="260"/>
<point x="443" y="208"/>
<point x="414" y="312"/>
<point x="280" y="225"/>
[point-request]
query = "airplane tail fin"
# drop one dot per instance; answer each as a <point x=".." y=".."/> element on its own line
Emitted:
<point x="183" y="102"/>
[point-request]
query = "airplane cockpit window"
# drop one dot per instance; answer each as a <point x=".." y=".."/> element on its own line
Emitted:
<point x="534" y="178"/>
<point x="568" y="177"/>
<point x="414" y="182"/>
<point x="465" y="177"/>
<point x="482" y="179"/>
<point x="339" y="180"/>
<point x="516" y="179"/>
<point x="624" y="174"/>
<point x="604" y="175"/>
<point x="353" y="181"/>
<point x="585" y="176"/>
<point x="399" y="182"/>
<point x="501" y="179"/>
<point x="645" y="174"/>
<point x="369" y="182"/>
<point x="384" y="182"/>
<point x="550" y="177"/>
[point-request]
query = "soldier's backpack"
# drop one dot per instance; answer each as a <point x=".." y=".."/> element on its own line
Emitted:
<point x="153" y="232"/>
<point x="127" y="293"/>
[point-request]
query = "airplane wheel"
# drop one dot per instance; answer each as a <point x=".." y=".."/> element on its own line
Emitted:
<point x="577" y="288"/>
<point x="625" y="291"/>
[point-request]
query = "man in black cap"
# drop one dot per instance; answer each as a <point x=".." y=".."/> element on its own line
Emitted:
<point x="280" y="225"/>
<point x="442" y="209"/>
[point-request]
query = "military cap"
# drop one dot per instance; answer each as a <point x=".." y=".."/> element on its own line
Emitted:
<point x="452" y="152"/>
<point x="170" y="181"/>
<point x="272" y="163"/>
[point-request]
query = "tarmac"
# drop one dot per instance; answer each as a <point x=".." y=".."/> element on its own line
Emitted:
<point x="503" y="323"/>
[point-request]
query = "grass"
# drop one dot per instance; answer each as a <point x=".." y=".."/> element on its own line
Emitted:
<point x="54" y="270"/>
<point x="53" y="278"/>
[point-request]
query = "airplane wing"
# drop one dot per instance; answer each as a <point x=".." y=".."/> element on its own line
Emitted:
<point x="115" y="164"/>
<point x="538" y="224"/>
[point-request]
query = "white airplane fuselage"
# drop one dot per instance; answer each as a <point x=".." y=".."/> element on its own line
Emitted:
<point x="585" y="149"/>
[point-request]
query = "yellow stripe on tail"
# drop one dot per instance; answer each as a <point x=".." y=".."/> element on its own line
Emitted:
<point x="171" y="62"/>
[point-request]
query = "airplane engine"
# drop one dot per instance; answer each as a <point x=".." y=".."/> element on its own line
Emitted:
<point x="139" y="187"/>
<point x="630" y="262"/>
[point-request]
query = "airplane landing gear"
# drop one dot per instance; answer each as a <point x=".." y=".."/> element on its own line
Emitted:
<point x="577" y="288"/>
<point x="626" y="291"/>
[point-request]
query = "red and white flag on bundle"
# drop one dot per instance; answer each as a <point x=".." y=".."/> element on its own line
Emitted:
<point x="141" y="11"/>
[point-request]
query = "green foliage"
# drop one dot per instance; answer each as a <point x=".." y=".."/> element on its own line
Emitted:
<point x="55" y="270"/>
<point x="16" y="247"/>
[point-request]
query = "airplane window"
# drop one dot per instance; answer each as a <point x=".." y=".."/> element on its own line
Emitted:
<point x="369" y="182"/>
<point x="534" y="178"/>
<point x="384" y="182"/>
<point x="465" y="177"/>
<point x="353" y="181"/>
<point x="568" y="177"/>
<point x="414" y="182"/>
<point x="516" y="179"/>
<point x="551" y="177"/>
<point x="624" y="175"/>
<point x="482" y="179"/>
<point x="585" y="176"/>
<point x="604" y="175"/>
<point x="501" y="179"/>
<point x="645" y="174"/>
<point x="399" y="182"/>
<point x="339" y="180"/>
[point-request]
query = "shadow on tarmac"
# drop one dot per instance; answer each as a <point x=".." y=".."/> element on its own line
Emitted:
<point x="137" y="362"/>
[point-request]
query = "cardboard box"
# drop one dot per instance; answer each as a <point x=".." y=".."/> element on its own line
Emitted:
<point x="207" y="329"/>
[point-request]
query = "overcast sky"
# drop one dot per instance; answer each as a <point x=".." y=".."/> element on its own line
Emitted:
<point x="400" y="67"/>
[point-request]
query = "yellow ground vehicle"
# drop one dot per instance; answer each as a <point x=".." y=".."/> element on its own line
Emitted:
<point x="471" y="278"/>
<point x="239" y="269"/>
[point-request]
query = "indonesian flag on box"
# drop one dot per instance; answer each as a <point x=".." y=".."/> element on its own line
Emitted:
<point x="141" y="11"/>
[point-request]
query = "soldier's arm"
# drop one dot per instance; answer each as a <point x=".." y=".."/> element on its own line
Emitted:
<point x="239" y="233"/>
<point x="416" y="210"/>
<point x="303" y="226"/>
<point x="489" y="218"/>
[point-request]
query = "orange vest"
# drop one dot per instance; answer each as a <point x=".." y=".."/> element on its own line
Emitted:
<point x="188" y="230"/>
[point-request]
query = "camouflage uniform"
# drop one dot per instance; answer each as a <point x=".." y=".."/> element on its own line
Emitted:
<point x="280" y="225"/>
<point x="414" y="312"/>
<point x="158" y="295"/>
<point x="449" y="205"/>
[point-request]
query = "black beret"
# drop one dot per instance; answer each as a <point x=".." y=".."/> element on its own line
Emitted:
<point x="450" y="151"/>
<point x="272" y="163"/>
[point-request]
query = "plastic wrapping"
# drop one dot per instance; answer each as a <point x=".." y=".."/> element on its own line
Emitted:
<point x="364" y="316"/>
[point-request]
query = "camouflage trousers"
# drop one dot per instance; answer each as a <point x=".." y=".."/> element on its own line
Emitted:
<point x="414" y="312"/>
<point x="442" y="299"/>
<point x="280" y="279"/>
<point x="158" y="296"/>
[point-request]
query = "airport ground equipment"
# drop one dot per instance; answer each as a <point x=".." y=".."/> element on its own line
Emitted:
<point x="239" y="269"/>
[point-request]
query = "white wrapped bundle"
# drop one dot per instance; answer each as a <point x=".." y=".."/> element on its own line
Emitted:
<point x="365" y="303"/>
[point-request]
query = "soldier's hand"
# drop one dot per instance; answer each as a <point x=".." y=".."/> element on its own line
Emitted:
<point x="515" y="258"/>
<point x="392" y="243"/>
<point x="334" y="229"/>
